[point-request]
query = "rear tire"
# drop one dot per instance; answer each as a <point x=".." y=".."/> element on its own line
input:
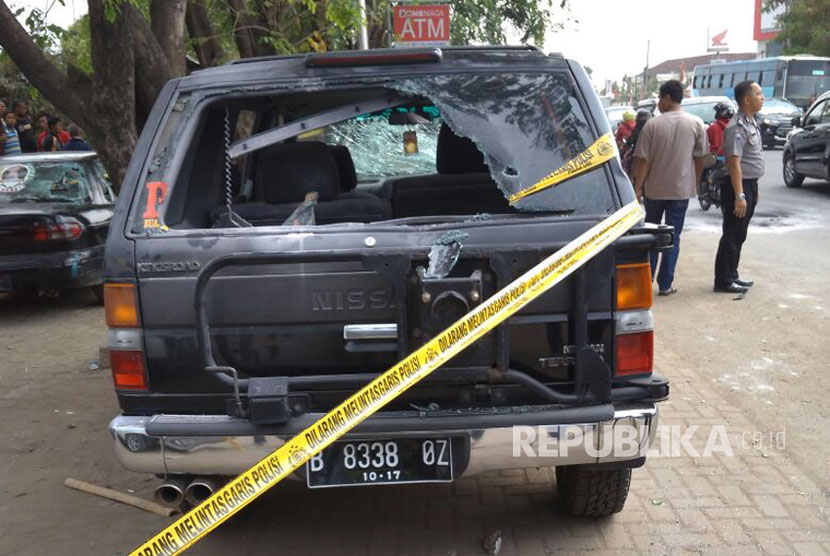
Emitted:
<point x="704" y="201"/>
<point x="791" y="177"/>
<point x="99" y="293"/>
<point x="590" y="492"/>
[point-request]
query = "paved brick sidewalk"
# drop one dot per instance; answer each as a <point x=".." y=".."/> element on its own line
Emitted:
<point x="756" y="502"/>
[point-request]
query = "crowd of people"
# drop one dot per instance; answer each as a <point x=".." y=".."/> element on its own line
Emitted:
<point x="21" y="134"/>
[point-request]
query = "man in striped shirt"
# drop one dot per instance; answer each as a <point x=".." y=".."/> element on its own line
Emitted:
<point x="11" y="144"/>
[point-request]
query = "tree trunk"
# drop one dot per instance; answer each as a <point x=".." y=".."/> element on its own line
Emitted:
<point x="152" y="67"/>
<point x="112" y="130"/>
<point x="167" y="23"/>
<point x="248" y="32"/>
<point x="201" y="31"/>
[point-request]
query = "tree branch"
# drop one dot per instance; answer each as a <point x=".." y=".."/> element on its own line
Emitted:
<point x="37" y="68"/>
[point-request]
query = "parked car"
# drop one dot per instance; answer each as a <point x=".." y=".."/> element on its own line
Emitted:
<point x="268" y="195"/>
<point x="615" y="115"/>
<point x="55" y="212"/>
<point x="649" y="104"/>
<point x="704" y="107"/>
<point x="807" y="151"/>
<point x="776" y="120"/>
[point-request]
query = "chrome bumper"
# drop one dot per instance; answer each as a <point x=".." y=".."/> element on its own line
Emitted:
<point x="504" y="447"/>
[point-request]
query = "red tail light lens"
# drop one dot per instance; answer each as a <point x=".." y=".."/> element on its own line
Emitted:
<point x="128" y="370"/>
<point x="67" y="229"/>
<point x="635" y="353"/>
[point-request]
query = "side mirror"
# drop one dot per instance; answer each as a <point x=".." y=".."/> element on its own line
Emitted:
<point x="796" y="121"/>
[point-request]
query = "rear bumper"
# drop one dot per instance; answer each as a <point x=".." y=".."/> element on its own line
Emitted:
<point x="52" y="271"/>
<point x="515" y="439"/>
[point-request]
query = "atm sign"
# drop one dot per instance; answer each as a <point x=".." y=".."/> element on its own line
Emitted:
<point x="422" y="25"/>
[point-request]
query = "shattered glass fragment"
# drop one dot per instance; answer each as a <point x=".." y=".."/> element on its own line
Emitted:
<point x="444" y="254"/>
<point x="375" y="146"/>
<point x="303" y="215"/>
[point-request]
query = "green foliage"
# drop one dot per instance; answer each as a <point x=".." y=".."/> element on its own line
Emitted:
<point x="45" y="35"/>
<point x="487" y="21"/>
<point x="805" y="26"/>
<point x="75" y="45"/>
<point x="13" y="84"/>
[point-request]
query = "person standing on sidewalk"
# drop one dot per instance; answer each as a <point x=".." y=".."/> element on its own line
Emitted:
<point x="744" y="160"/>
<point x="668" y="161"/>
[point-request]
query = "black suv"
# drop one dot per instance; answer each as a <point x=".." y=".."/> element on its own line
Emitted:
<point x="290" y="227"/>
<point x="807" y="151"/>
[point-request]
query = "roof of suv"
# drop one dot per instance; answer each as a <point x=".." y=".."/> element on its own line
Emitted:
<point x="59" y="156"/>
<point x="365" y="62"/>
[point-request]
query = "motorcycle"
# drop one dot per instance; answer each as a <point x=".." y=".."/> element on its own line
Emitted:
<point x="708" y="190"/>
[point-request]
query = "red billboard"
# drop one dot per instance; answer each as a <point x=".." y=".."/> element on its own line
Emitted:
<point x="422" y="25"/>
<point x="766" y="24"/>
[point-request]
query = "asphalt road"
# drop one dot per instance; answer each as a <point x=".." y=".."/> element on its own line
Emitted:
<point x="780" y="208"/>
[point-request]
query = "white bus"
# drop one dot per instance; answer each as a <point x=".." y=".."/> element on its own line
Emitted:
<point x="799" y="79"/>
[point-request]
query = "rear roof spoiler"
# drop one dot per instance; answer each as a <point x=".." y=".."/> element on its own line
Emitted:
<point x="381" y="56"/>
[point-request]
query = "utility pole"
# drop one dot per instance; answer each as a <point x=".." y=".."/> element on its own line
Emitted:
<point x="363" y="34"/>
<point x="645" y="71"/>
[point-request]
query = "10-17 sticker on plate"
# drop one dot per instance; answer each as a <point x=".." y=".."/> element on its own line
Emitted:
<point x="378" y="462"/>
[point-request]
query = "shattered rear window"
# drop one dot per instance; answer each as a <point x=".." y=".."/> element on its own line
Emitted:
<point x="525" y="125"/>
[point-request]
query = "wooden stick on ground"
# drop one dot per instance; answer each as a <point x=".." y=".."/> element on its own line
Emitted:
<point x="119" y="497"/>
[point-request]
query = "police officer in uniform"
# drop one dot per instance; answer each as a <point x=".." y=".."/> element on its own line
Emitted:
<point x="744" y="160"/>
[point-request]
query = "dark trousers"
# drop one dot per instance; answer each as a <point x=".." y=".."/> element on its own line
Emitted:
<point x="734" y="231"/>
<point x="675" y="212"/>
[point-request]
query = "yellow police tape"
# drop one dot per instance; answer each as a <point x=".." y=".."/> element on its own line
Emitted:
<point x="270" y="470"/>
<point x="602" y="150"/>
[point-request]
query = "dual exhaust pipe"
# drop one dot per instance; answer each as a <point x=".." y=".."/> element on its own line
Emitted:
<point x="177" y="490"/>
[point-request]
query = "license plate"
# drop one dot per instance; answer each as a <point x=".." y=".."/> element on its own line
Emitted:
<point x="5" y="282"/>
<point x="381" y="462"/>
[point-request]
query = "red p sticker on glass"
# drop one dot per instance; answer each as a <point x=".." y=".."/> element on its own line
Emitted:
<point x="156" y="194"/>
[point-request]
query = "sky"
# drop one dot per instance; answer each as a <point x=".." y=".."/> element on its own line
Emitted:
<point x="62" y="15"/>
<point x="610" y="36"/>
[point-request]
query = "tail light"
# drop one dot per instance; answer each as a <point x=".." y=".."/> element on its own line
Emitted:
<point x="121" y="305"/>
<point x="129" y="371"/>
<point x="635" y="353"/>
<point x="67" y="228"/>
<point x="634" y="324"/>
<point x="634" y="286"/>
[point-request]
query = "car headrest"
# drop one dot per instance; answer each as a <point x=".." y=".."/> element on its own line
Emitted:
<point x="457" y="155"/>
<point x="345" y="167"/>
<point x="287" y="172"/>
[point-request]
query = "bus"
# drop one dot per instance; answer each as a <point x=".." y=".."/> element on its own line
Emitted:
<point x="799" y="79"/>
